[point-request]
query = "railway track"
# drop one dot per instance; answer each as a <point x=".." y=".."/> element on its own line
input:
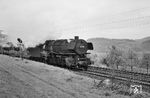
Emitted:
<point x="119" y="75"/>
<point x="134" y="76"/>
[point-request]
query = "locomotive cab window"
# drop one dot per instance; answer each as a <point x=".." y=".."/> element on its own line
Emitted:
<point x="90" y="46"/>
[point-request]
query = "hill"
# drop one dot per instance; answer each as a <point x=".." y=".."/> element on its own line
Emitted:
<point x="138" y="45"/>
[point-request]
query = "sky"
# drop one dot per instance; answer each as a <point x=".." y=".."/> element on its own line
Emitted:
<point x="35" y="21"/>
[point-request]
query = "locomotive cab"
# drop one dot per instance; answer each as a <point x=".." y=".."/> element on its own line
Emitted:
<point x="90" y="46"/>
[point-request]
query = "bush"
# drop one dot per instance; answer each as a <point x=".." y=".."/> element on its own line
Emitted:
<point x="96" y="59"/>
<point x="114" y="58"/>
<point x="117" y="57"/>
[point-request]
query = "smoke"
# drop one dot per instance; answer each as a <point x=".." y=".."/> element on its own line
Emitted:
<point x="31" y="38"/>
<point x="3" y="37"/>
<point x="31" y="29"/>
<point x="29" y="21"/>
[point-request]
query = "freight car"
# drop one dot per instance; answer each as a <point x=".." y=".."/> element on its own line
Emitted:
<point x="65" y="53"/>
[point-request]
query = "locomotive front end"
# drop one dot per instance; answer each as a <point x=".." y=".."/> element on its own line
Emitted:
<point x="80" y="47"/>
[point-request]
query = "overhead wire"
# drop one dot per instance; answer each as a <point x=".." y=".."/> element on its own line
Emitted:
<point x="131" y="21"/>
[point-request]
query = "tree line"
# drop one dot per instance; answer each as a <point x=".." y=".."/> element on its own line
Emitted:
<point x="116" y="58"/>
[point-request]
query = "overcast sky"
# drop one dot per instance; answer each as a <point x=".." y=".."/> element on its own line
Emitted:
<point x="37" y="20"/>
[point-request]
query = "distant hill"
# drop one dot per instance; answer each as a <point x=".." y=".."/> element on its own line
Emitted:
<point x="146" y="45"/>
<point x="103" y="44"/>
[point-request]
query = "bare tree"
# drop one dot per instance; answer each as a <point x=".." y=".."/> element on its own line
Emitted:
<point x="114" y="57"/>
<point x="132" y="59"/>
<point x="120" y="61"/>
<point x="146" y="60"/>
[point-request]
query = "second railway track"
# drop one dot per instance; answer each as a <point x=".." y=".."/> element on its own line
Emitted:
<point x="118" y="75"/>
<point x="145" y="78"/>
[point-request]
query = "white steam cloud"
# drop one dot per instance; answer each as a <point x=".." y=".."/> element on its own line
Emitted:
<point x="28" y="20"/>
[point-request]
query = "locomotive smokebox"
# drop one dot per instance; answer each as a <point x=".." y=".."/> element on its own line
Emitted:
<point x="76" y="37"/>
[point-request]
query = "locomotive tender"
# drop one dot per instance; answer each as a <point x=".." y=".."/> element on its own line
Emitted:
<point x="66" y="53"/>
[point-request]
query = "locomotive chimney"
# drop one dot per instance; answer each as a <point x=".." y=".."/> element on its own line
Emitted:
<point x="76" y="37"/>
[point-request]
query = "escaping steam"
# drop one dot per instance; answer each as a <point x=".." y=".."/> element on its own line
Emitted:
<point x="29" y="39"/>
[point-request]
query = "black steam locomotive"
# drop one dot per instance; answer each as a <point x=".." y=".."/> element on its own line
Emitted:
<point x="66" y="53"/>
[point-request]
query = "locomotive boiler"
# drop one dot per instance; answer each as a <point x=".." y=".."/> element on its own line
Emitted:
<point x="68" y="53"/>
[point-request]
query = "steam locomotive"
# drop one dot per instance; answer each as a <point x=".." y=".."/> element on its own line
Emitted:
<point x="65" y="53"/>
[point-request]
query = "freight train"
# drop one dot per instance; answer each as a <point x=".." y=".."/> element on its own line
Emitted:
<point x="65" y="53"/>
<point x="70" y="53"/>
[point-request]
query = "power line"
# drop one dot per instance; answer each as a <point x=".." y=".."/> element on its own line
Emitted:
<point x="132" y="20"/>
